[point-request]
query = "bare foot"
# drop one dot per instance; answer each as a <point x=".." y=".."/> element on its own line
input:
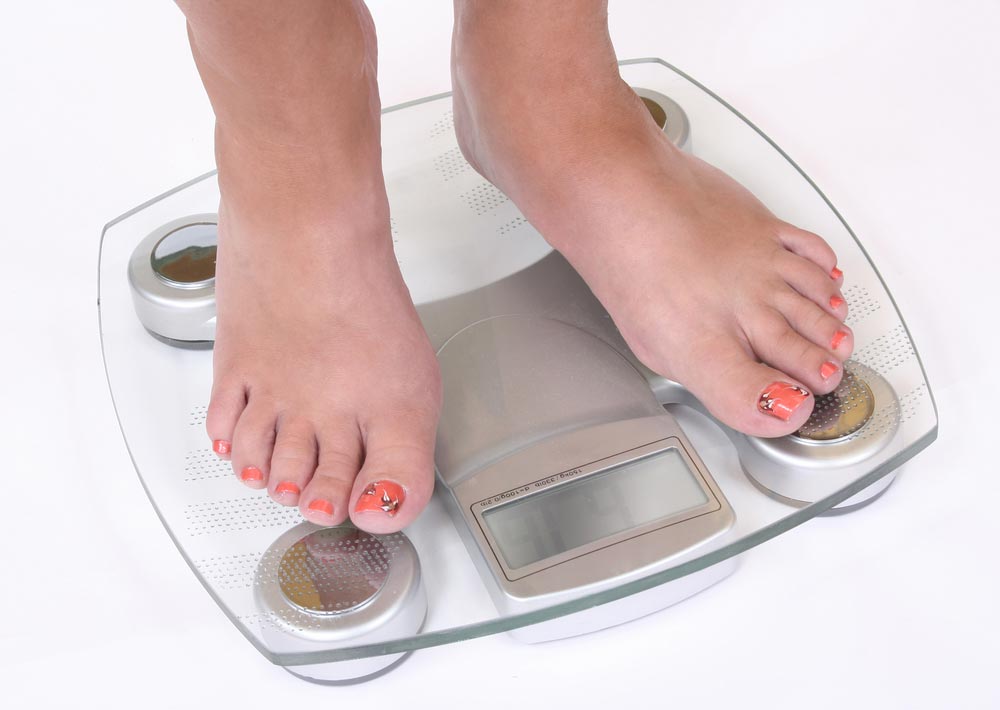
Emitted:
<point x="326" y="389"/>
<point x="707" y="286"/>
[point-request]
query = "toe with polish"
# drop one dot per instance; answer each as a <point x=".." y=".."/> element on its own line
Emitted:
<point x="380" y="497"/>
<point x="222" y="447"/>
<point x="319" y="511"/>
<point x="781" y="399"/>
<point x="286" y="490"/>
<point x="322" y="506"/>
<point x="253" y="477"/>
<point x="251" y="474"/>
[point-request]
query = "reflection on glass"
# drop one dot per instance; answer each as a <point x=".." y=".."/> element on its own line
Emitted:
<point x="186" y="256"/>
<point x="333" y="570"/>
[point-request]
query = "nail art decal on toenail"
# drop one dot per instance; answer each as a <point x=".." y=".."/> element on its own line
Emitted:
<point x="835" y="273"/>
<point x="384" y="496"/>
<point x="286" y="488"/>
<point x="836" y="302"/>
<point x="222" y="447"/>
<point x="250" y="474"/>
<point x="838" y="338"/>
<point x="827" y="369"/>
<point x="322" y="506"/>
<point x="781" y="399"/>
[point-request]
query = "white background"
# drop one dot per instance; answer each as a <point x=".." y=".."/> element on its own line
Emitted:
<point x="891" y="107"/>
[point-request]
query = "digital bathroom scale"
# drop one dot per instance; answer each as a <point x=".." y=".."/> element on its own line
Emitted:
<point x="548" y="419"/>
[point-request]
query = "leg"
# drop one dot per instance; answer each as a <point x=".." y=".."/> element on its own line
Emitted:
<point x="706" y="285"/>
<point x="325" y="382"/>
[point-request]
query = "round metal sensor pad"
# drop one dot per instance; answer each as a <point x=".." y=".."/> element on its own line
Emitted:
<point x="185" y="257"/>
<point x="333" y="570"/>
<point x="172" y="277"/>
<point x="840" y="413"/>
<point x="846" y="428"/>
<point x="338" y="588"/>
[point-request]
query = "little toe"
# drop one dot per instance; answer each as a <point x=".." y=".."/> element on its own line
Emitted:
<point x="747" y="395"/>
<point x="253" y="443"/>
<point x="293" y="460"/>
<point x="324" y="498"/>
<point x="227" y="403"/>
<point x="397" y="479"/>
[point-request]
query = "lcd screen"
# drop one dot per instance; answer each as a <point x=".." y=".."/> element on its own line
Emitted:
<point x="599" y="505"/>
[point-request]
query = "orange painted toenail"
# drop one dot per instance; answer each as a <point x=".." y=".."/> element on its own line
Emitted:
<point x="835" y="273"/>
<point x="836" y="302"/>
<point x="287" y="488"/>
<point x="838" y="338"/>
<point x="827" y="369"/>
<point x="781" y="399"/>
<point x="322" y="506"/>
<point x="251" y="473"/>
<point x="222" y="447"/>
<point x="380" y="496"/>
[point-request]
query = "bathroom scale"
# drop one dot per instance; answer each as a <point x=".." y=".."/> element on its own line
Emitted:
<point x="549" y="423"/>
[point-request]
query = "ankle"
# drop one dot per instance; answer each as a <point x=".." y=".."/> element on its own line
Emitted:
<point x="557" y="160"/>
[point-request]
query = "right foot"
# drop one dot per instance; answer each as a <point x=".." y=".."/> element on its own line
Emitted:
<point x="326" y="389"/>
<point x="706" y="285"/>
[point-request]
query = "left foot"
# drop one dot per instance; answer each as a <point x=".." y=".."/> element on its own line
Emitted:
<point x="707" y="286"/>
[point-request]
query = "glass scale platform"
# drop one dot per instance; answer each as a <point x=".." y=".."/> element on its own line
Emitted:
<point x="286" y="583"/>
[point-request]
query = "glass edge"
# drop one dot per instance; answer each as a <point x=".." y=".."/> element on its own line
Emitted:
<point x="510" y="623"/>
<point x="114" y="404"/>
<point x="416" y="102"/>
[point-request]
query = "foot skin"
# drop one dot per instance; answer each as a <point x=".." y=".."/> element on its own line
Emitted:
<point x="326" y="388"/>
<point x="707" y="286"/>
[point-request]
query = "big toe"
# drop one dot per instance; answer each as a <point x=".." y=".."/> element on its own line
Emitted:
<point x="397" y="479"/>
<point x="747" y="395"/>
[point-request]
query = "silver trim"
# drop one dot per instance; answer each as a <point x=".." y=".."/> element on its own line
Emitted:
<point x="180" y="312"/>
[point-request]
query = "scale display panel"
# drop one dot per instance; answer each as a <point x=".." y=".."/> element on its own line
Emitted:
<point x="575" y="514"/>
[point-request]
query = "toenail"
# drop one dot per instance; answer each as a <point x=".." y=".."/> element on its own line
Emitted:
<point x="222" y="447"/>
<point x="838" y="338"/>
<point x="827" y="369"/>
<point x="835" y="273"/>
<point x="286" y="488"/>
<point x="380" y="496"/>
<point x="836" y="302"/>
<point x="781" y="399"/>
<point x="250" y="474"/>
<point x="322" y="506"/>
